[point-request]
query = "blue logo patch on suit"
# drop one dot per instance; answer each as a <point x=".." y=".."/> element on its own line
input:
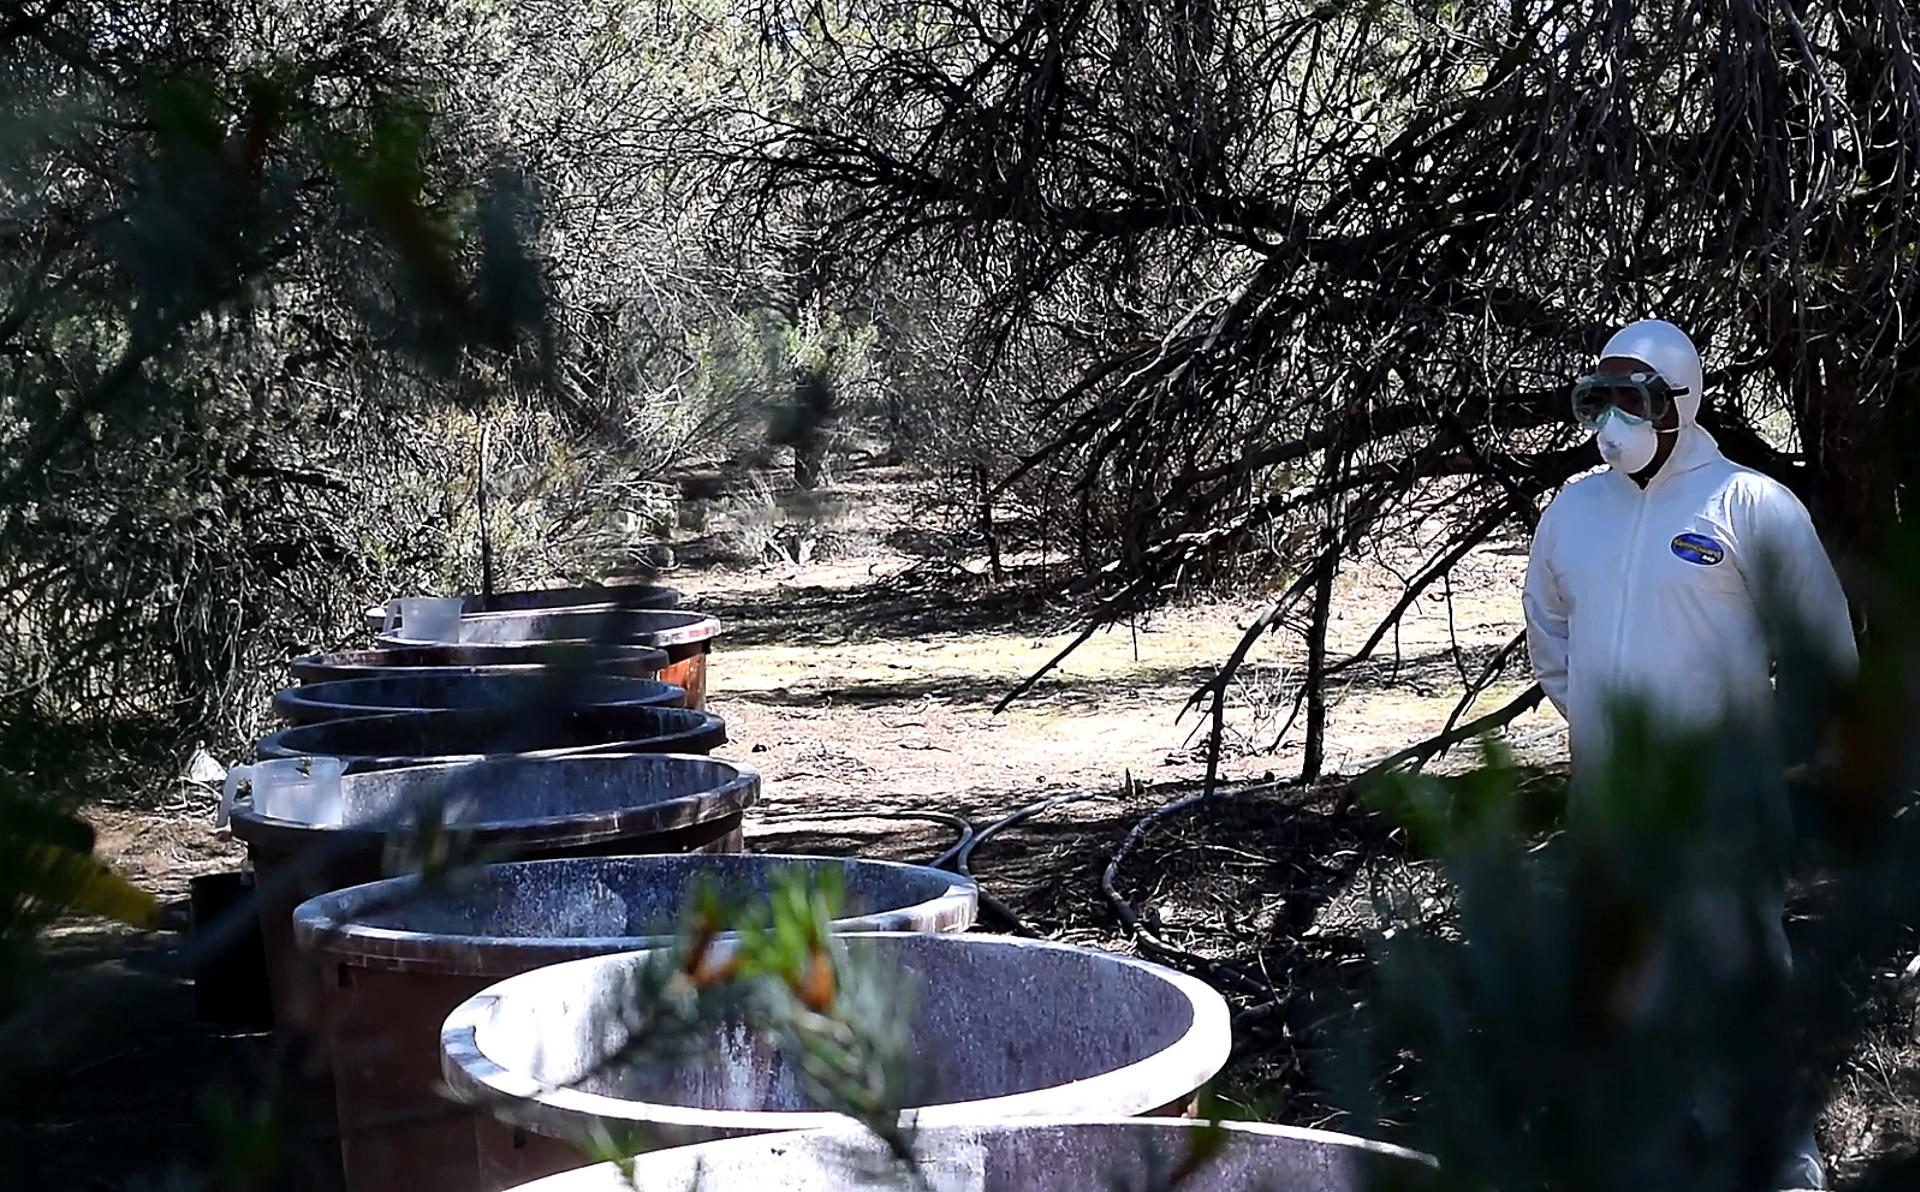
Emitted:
<point x="1698" y="548"/>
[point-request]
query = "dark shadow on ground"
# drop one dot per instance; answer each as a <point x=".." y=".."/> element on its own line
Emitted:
<point x="117" y="1103"/>
<point x="913" y="842"/>
<point x="930" y="542"/>
<point x="915" y="607"/>
<point x="955" y="545"/>
<point x="1430" y="674"/>
<point x="1138" y="687"/>
<point x="1264" y="884"/>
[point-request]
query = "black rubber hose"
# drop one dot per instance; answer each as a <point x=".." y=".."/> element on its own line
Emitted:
<point x="964" y="826"/>
<point x="1148" y="940"/>
<point x="963" y="859"/>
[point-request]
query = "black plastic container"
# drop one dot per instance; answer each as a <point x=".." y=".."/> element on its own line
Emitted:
<point x="230" y="971"/>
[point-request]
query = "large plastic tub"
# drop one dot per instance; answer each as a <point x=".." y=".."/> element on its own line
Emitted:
<point x="398" y="694"/>
<point x="509" y="807"/>
<point x="687" y="637"/>
<point x="630" y="661"/>
<point x="424" y="738"/>
<point x="399" y="956"/>
<point x="1002" y="1027"/>
<point x="600" y="596"/>
<point x="1023" y="1156"/>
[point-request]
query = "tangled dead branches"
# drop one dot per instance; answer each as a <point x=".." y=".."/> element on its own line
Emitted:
<point x="1330" y="266"/>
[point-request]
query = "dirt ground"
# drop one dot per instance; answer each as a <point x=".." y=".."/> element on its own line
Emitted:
<point x="864" y="691"/>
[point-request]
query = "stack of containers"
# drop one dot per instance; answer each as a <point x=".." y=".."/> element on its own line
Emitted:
<point x="512" y="743"/>
<point x="632" y="615"/>
<point x="508" y="982"/>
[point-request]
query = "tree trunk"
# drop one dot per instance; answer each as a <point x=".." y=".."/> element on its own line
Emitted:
<point x="810" y="459"/>
<point x="985" y="496"/>
<point x="811" y="410"/>
<point x="1314" y="754"/>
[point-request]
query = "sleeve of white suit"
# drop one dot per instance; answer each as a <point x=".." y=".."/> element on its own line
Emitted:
<point x="1545" y="608"/>
<point x="1801" y="576"/>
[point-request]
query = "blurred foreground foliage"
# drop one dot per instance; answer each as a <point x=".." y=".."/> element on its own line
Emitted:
<point x="47" y="871"/>
<point x="283" y="285"/>
<point x="1618" y="1007"/>
<point x="241" y="245"/>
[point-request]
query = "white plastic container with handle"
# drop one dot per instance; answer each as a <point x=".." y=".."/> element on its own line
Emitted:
<point x="431" y="620"/>
<point x="303" y="789"/>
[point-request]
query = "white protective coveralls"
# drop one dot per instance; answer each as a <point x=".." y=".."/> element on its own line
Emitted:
<point x="1655" y="594"/>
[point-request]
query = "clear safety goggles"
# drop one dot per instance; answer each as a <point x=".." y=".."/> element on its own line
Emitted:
<point x="1639" y="396"/>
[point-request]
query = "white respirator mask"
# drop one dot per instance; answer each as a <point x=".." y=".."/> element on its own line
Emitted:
<point x="1627" y="444"/>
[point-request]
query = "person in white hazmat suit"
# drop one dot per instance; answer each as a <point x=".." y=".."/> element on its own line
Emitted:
<point x="1644" y="580"/>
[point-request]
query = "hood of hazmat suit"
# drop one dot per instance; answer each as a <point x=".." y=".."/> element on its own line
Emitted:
<point x="1655" y="594"/>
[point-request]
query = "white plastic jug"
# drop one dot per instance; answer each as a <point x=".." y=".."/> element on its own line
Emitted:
<point x="431" y="619"/>
<point x="304" y="789"/>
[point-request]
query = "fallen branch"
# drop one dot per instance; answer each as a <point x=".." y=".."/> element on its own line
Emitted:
<point x="1425" y="751"/>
